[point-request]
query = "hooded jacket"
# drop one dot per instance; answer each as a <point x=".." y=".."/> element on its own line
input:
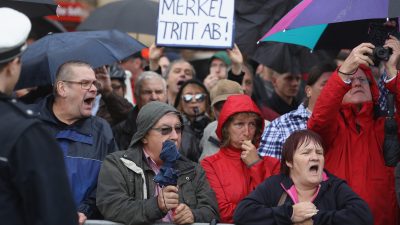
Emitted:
<point x="355" y="139"/>
<point x="126" y="188"/>
<point x="229" y="176"/>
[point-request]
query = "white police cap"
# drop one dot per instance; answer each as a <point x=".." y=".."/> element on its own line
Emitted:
<point x="14" y="29"/>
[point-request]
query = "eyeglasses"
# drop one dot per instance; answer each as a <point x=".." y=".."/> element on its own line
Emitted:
<point x="85" y="84"/>
<point x="198" y="97"/>
<point x="168" y="129"/>
<point x="363" y="80"/>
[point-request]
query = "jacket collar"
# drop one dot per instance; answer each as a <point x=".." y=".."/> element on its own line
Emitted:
<point x="84" y="125"/>
<point x="358" y="119"/>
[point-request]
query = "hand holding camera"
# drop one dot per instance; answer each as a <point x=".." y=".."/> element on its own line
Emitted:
<point x="358" y="56"/>
<point x="392" y="63"/>
<point x="384" y="37"/>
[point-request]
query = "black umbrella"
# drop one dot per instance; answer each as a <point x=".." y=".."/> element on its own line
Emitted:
<point x="285" y="58"/>
<point x="31" y="8"/>
<point x="168" y="175"/>
<point x="134" y="16"/>
<point x="42" y="26"/>
<point x="254" y="18"/>
<point x="41" y="59"/>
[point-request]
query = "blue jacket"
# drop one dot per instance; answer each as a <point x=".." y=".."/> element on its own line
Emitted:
<point x="84" y="144"/>
<point x="336" y="202"/>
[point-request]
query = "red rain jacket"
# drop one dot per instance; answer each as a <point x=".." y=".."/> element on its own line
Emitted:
<point x="354" y="141"/>
<point x="228" y="175"/>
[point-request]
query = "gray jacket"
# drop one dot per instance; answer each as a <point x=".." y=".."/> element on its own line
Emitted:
<point x="125" y="191"/>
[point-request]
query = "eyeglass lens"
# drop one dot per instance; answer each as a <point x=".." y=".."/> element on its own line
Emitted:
<point x="167" y="130"/>
<point x="197" y="97"/>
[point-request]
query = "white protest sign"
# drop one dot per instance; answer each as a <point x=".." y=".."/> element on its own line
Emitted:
<point x="196" y="23"/>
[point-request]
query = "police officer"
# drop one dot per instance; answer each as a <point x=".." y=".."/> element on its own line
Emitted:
<point x="34" y="187"/>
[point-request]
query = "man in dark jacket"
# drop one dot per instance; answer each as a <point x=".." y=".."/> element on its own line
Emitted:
<point x="84" y="139"/>
<point x="126" y="190"/>
<point x="33" y="183"/>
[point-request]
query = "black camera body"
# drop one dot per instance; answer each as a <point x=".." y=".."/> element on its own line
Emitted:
<point x="378" y="33"/>
<point x="382" y="54"/>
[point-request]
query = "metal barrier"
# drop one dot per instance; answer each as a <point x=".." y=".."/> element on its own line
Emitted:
<point x="105" y="222"/>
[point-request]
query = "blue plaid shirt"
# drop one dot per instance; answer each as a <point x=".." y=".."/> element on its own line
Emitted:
<point x="277" y="131"/>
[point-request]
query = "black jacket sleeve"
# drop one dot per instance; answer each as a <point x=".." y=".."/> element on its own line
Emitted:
<point x="350" y="209"/>
<point x="41" y="179"/>
<point x="238" y="78"/>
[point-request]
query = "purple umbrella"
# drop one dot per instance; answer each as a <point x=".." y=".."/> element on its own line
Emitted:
<point x="305" y="23"/>
<point x="316" y="12"/>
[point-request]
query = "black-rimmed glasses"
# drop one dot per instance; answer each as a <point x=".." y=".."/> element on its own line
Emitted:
<point x="85" y="84"/>
<point x="166" y="130"/>
<point x="197" y="97"/>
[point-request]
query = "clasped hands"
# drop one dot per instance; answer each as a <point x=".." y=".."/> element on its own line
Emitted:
<point x="168" y="199"/>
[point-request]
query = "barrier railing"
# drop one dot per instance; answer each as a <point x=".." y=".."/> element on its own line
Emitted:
<point x="105" y="222"/>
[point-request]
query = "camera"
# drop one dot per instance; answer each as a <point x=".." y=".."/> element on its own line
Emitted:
<point x="382" y="54"/>
<point x="378" y="33"/>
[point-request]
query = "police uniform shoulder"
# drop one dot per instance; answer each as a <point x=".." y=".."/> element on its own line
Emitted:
<point x="23" y="110"/>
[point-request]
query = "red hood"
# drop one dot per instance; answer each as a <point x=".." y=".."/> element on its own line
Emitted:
<point x="236" y="104"/>
<point x="372" y="84"/>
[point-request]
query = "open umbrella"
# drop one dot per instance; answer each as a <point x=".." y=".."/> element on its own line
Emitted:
<point x="253" y="18"/>
<point x="168" y="175"/>
<point x="41" y="59"/>
<point x="289" y="58"/>
<point x="32" y="8"/>
<point x="305" y="23"/>
<point x="133" y="16"/>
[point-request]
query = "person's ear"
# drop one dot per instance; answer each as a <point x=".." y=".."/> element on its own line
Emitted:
<point x="13" y="67"/>
<point x="307" y="89"/>
<point x="145" y="141"/>
<point x="61" y="89"/>
<point x="274" y="79"/>
<point x="289" y="164"/>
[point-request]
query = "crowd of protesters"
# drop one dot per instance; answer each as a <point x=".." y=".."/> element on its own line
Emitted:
<point x="239" y="158"/>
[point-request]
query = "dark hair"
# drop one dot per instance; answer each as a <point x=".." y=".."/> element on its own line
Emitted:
<point x="293" y="142"/>
<point x="201" y="85"/>
<point x="317" y="71"/>
<point x="257" y="136"/>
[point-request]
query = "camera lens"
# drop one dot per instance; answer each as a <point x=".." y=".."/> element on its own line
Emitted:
<point x="381" y="53"/>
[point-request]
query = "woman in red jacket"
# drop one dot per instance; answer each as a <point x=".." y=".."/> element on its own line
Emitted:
<point x="237" y="169"/>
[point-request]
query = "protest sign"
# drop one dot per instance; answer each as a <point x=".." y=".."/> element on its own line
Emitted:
<point x="196" y="23"/>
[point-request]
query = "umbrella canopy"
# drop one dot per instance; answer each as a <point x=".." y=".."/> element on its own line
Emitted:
<point x="32" y="8"/>
<point x="41" y="59"/>
<point x="168" y="175"/>
<point x="306" y="22"/>
<point x="328" y="36"/>
<point x="134" y="16"/>
<point x="253" y="18"/>
<point x="288" y="58"/>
